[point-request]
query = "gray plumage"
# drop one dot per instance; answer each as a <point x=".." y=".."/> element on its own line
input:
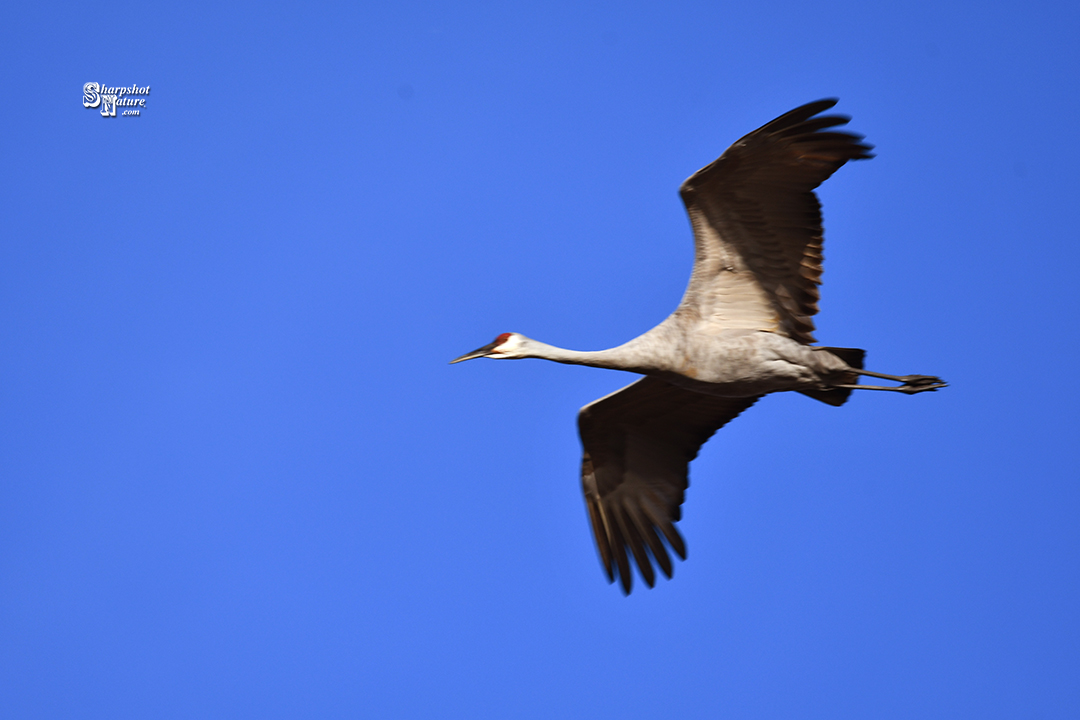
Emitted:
<point x="742" y="330"/>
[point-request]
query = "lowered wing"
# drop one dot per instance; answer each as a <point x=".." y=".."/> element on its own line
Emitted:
<point x="638" y="444"/>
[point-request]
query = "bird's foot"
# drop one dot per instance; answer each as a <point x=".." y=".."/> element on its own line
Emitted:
<point x="920" y="383"/>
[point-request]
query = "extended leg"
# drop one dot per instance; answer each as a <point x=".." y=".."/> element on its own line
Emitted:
<point x="906" y="379"/>
<point x="911" y="384"/>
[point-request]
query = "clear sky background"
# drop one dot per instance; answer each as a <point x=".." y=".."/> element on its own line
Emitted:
<point x="239" y="479"/>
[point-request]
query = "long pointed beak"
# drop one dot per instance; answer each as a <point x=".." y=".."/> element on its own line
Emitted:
<point x="478" y="352"/>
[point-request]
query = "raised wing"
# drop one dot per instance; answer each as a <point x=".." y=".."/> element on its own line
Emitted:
<point x="757" y="223"/>
<point x="638" y="444"/>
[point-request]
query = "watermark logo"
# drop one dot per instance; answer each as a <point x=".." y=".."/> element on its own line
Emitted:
<point x="109" y="98"/>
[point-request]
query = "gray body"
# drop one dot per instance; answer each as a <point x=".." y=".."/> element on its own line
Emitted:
<point x="728" y="362"/>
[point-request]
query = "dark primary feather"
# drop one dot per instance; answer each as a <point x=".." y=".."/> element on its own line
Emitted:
<point x="754" y="211"/>
<point x="638" y="444"/>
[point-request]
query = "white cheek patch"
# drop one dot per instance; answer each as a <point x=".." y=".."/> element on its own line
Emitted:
<point x="509" y="348"/>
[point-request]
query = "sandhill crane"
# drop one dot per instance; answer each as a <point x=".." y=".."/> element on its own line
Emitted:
<point x="742" y="330"/>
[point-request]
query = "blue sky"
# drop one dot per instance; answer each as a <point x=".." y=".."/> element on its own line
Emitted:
<point x="239" y="479"/>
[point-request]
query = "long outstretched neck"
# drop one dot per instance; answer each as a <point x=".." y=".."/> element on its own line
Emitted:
<point x="622" y="357"/>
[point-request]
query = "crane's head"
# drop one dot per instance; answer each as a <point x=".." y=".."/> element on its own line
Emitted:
<point x="506" y="346"/>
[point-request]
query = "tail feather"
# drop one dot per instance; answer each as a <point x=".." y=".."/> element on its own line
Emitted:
<point x="852" y="356"/>
<point x="838" y="396"/>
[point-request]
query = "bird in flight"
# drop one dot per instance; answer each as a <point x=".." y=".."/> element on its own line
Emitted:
<point x="743" y="330"/>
